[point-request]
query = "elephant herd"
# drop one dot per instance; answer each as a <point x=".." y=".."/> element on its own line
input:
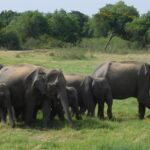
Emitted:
<point x="26" y="88"/>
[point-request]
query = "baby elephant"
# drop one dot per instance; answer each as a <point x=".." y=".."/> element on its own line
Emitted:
<point x="5" y="105"/>
<point x="73" y="103"/>
<point x="97" y="90"/>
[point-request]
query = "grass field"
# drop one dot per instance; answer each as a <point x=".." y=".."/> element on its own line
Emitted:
<point x="126" y="132"/>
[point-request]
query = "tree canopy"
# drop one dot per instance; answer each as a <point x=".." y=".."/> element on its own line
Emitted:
<point x="71" y="27"/>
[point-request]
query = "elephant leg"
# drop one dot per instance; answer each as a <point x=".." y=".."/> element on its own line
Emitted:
<point x="109" y="107"/>
<point x="3" y="114"/>
<point x="101" y="109"/>
<point x="76" y="112"/>
<point x="91" y="111"/>
<point x="11" y="116"/>
<point x="29" y="115"/>
<point x="35" y="114"/>
<point x="141" y="110"/>
<point x="60" y="114"/>
<point x="52" y="114"/>
<point x="82" y="110"/>
<point x="46" y="109"/>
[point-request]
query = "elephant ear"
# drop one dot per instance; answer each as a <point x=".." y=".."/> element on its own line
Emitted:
<point x="144" y="71"/>
<point x="30" y="80"/>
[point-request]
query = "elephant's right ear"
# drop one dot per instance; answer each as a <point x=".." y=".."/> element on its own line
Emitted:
<point x="28" y="80"/>
<point x="145" y="70"/>
<point x="86" y="84"/>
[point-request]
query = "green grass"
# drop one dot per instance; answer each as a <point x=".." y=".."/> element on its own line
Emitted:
<point x="125" y="132"/>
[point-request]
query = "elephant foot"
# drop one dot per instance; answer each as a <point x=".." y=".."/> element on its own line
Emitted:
<point x="101" y="117"/>
<point x="141" y="117"/>
<point x="110" y="117"/>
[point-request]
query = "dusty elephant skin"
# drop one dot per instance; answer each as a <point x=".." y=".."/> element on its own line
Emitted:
<point x="128" y="79"/>
<point x="33" y="86"/>
<point x="5" y="105"/>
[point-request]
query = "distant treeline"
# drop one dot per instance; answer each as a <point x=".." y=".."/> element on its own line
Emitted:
<point x="60" y="29"/>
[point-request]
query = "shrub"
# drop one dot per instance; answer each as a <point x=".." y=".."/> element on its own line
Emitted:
<point x="9" y="40"/>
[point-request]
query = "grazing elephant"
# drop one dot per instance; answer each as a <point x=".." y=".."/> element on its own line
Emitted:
<point x="128" y="79"/>
<point x="5" y="105"/>
<point x="73" y="103"/>
<point x="33" y="86"/>
<point x="97" y="90"/>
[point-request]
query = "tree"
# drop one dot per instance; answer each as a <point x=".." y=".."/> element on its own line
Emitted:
<point x="139" y="30"/>
<point x="113" y="19"/>
<point x="63" y="26"/>
<point x="82" y="21"/>
<point x="29" y="24"/>
<point x="6" y="17"/>
<point x="9" y="40"/>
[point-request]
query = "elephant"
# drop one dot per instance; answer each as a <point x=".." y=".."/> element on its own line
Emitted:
<point x="91" y="91"/>
<point x="33" y="87"/>
<point x="128" y="79"/>
<point x="75" y="80"/>
<point x="73" y="103"/>
<point x="97" y="90"/>
<point x="5" y="105"/>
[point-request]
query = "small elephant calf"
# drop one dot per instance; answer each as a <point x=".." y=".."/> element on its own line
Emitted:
<point x="73" y="103"/>
<point x="5" y="105"/>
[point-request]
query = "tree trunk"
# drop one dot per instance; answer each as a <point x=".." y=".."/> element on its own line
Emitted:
<point x="110" y="38"/>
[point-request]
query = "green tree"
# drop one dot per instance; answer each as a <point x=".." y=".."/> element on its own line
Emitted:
<point x="113" y="18"/>
<point x="9" y="40"/>
<point x="139" y="30"/>
<point x="6" y="17"/>
<point x="63" y="26"/>
<point x="82" y="21"/>
<point x="29" y="24"/>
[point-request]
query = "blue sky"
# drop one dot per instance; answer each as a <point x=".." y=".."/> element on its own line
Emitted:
<point x="88" y="7"/>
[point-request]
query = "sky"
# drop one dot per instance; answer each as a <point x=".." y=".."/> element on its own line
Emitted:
<point x="89" y="7"/>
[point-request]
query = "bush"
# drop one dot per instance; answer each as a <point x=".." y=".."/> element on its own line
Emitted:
<point x="9" y="40"/>
<point x="117" y="45"/>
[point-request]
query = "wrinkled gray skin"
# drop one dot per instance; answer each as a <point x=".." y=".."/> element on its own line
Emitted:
<point x="128" y="79"/>
<point x="33" y="86"/>
<point x="73" y="103"/>
<point x="5" y="105"/>
<point x="98" y="90"/>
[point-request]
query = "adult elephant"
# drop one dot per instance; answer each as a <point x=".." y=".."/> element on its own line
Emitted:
<point x="90" y="92"/>
<point x="128" y="79"/>
<point x="33" y="86"/>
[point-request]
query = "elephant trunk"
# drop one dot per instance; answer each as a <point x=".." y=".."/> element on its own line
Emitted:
<point x="64" y="101"/>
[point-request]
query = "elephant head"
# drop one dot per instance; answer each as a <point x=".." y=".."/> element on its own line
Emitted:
<point x="56" y="86"/>
<point x="36" y="81"/>
<point x="87" y="95"/>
